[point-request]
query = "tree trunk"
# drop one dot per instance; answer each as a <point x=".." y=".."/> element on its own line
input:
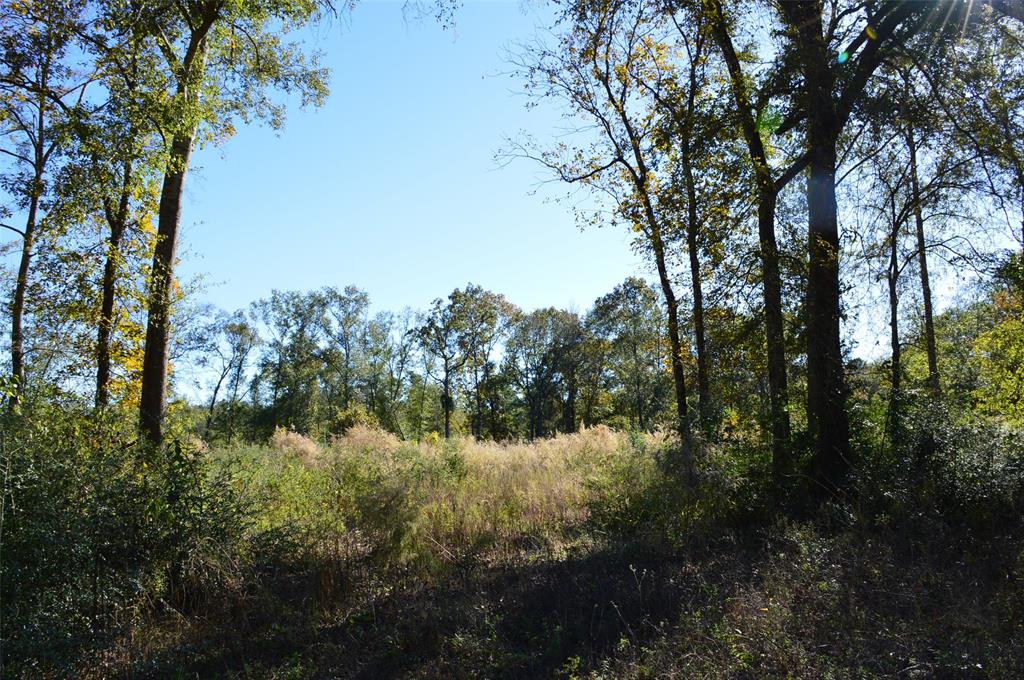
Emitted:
<point x="40" y="157"/>
<point x="492" y="406"/>
<point x="446" y="404"/>
<point x="106" y="322"/>
<point x="934" y="384"/>
<point x="478" y="425"/>
<point x="20" y="287"/>
<point x="117" y="222"/>
<point x="154" y="363"/>
<point x="771" y="282"/>
<point x="892" y="277"/>
<point x="678" y="369"/>
<point x="826" y="384"/>
<point x="692" y="244"/>
<point x="213" y="400"/>
<point x="778" y="382"/>
<point x="638" y="400"/>
<point x="569" y="417"/>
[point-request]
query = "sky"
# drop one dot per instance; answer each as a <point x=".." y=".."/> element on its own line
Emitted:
<point x="393" y="185"/>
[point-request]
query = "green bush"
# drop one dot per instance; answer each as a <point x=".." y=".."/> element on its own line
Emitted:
<point x="96" y="529"/>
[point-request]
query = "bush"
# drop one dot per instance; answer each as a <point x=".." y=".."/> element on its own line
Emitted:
<point x="292" y="443"/>
<point x="97" y="531"/>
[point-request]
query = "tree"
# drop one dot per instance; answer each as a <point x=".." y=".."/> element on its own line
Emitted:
<point x="980" y="88"/>
<point x="347" y="312"/>
<point x="632" y="323"/>
<point x="1001" y="348"/>
<point x="232" y="343"/>
<point x="486" y="318"/>
<point x="292" y="362"/>
<point x="532" y="357"/>
<point x="119" y="153"/>
<point x="757" y="121"/>
<point x="608" y="50"/>
<point x="219" y="60"/>
<point x="829" y="88"/>
<point x="441" y="337"/>
<point x="39" y="93"/>
<point x="388" y="351"/>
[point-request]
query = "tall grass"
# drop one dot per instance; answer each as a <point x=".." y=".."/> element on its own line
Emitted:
<point x="431" y="505"/>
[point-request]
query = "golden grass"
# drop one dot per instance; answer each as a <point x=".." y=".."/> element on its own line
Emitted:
<point x="440" y="502"/>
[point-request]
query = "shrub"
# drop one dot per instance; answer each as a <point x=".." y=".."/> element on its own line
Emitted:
<point x="292" y="443"/>
<point x="97" y="530"/>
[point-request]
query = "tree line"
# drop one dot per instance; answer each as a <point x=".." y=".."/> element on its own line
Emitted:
<point x="472" y="364"/>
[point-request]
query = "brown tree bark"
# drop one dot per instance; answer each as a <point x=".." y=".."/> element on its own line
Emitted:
<point x="826" y="381"/>
<point x="678" y="369"/>
<point x="189" y="74"/>
<point x="934" y="384"/>
<point x="767" y="193"/>
<point x="154" y="364"/>
<point x="446" y="404"/>
<point x="117" y="221"/>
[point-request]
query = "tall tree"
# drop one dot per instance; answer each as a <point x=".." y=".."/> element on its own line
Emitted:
<point x="346" y="310"/>
<point x="119" y="148"/>
<point x="756" y="122"/>
<point x="441" y="337"/>
<point x="631" y="321"/>
<point x="219" y="60"/>
<point x="532" y="356"/>
<point x="829" y="87"/>
<point x="39" y="93"/>
<point x="485" y="318"/>
<point x="608" y="50"/>
<point x="230" y="345"/>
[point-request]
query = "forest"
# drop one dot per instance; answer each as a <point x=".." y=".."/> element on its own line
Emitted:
<point x="791" y="445"/>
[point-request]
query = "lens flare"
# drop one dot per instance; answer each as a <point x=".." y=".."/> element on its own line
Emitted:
<point x="843" y="57"/>
<point x="871" y="33"/>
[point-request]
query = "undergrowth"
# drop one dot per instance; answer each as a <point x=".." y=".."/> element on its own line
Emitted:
<point x="578" y="556"/>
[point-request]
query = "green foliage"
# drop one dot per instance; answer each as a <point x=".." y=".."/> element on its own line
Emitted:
<point x="95" y="530"/>
<point x="1000" y="350"/>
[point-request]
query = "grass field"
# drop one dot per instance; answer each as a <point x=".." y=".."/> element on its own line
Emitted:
<point x="573" y="557"/>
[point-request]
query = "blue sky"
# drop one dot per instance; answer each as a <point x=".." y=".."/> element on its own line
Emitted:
<point x="392" y="185"/>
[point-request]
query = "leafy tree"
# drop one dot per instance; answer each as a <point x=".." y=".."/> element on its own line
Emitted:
<point x="441" y="337"/>
<point x="759" y="120"/>
<point x="220" y="59"/>
<point x="347" y="313"/>
<point x="485" y="319"/>
<point x="609" y="58"/>
<point x="541" y="355"/>
<point x="288" y="380"/>
<point x="631" y="322"/>
<point x="39" y="97"/>
<point x="1001" y="349"/>
<point x="231" y="346"/>
<point x="388" y="351"/>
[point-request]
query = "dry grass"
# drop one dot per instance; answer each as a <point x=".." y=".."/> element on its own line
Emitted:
<point x="294" y="444"/>
<point x="441" y="503"/>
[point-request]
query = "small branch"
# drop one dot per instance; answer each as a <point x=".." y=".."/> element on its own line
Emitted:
<point x="16" y="231"/>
